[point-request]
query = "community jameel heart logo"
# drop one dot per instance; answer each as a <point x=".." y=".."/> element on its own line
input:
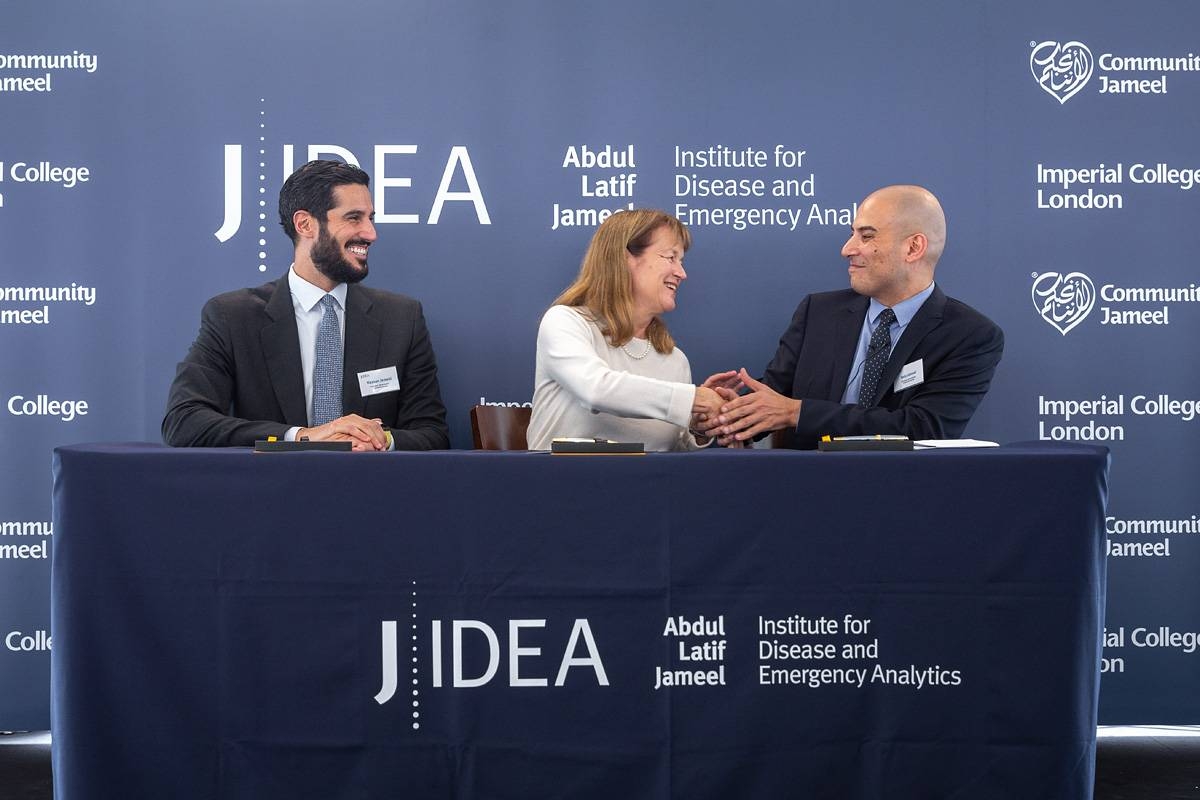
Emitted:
<point x="1061" y="69"/>
<point x="1063" y="300"/>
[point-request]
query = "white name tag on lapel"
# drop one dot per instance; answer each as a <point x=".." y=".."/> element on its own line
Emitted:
<point x="912" y="374"/>
<point x="378" y="381"/>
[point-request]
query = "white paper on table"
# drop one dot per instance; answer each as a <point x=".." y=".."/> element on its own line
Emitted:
<point x="954" y="443"/>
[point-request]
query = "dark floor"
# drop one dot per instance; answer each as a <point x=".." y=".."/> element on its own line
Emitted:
<point x="1163" y="765"/>
<point x="25" y="767"/>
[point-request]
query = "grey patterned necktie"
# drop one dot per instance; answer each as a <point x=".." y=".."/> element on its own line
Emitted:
<point x="327" y="369"/>
<point x="878" y="352"/>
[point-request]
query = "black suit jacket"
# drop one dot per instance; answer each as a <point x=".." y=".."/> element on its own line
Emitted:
<point x="242" y="379"/>
<point x="959" y="348"/>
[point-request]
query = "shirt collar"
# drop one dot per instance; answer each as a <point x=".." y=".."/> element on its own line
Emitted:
<point x="905" y="310"/>
<point x="307" y="296"/>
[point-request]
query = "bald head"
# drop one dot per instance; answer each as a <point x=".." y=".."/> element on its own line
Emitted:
<point x="896" y="240"/>
<point x="914" y="209"/>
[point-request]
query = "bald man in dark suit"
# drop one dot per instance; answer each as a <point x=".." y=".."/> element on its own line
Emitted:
<point x="837" y="372"/>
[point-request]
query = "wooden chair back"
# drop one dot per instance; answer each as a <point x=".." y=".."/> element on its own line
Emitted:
<point x="499" y="427"/>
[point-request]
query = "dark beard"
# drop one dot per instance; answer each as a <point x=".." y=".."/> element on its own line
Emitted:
<point x="327" y="257"/>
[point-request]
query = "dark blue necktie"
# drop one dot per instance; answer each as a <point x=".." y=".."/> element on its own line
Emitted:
<point x="878" y="352"/>
<point x="327" y="369"/>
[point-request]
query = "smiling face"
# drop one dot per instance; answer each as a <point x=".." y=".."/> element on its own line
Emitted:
<point x="897" y="238"/>
<point x="876" y="251"/>
<point x="340" y="251"/>
<point x="657" y="274"/>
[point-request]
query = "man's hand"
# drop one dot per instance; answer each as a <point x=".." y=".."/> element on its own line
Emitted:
<point x="365" y="435"/>
<point x="724" y="380"/>
<point x="729" y="395"/>
<point x="762" y="409"/>
<point x="704" y="421"/>
<point x="710" y="396"/>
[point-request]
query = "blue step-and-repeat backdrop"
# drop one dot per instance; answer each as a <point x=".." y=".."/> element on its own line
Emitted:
<point x="142" y="147"/>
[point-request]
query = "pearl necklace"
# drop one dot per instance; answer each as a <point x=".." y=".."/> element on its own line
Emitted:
<point x="637" y="357"/>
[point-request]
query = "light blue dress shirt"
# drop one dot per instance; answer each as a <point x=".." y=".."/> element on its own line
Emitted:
<point x="905" y="310"/>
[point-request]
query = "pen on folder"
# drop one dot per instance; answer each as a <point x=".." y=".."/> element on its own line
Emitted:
<point x="875" y="437"/>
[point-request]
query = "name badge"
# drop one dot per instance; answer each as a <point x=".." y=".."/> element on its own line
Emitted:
<point x="912" y="374"/>
<point x="378" y="381"/>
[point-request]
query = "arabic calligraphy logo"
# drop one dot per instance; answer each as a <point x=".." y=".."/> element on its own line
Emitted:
<point x="1061" y="69"/>
<point x="1063" y="300"/>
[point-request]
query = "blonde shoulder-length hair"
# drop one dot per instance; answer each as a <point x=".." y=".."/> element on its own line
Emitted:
<point x="605" y="286"/>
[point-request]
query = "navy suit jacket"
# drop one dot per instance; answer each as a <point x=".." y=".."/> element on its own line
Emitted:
<point x="958" y="346"/>
<point x="242" y="379"/>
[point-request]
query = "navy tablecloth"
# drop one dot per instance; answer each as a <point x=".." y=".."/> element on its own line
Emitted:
<point x="520" y="625"/>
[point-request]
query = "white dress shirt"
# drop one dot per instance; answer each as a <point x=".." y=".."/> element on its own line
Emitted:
<point x="306" y="299"/>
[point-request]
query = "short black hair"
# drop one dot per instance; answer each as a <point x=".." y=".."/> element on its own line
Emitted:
<point x="310" y="188"/>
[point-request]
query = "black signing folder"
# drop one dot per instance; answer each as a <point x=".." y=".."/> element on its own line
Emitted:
<point x="579" y="447"/>
<point x="877" y="442"/>
<point x="268" y="446"/>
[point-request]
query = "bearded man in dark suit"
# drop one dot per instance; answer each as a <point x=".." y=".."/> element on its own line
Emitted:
<point x="269" y="361"/>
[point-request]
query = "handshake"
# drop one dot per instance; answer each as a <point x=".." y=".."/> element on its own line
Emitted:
<point x="722" y="410"/>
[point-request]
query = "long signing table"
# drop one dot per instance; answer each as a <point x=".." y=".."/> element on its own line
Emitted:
<point x="477" y="625"/>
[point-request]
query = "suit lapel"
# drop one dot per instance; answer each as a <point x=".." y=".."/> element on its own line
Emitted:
<point x="281" y="349"/>
<point x="361" y="349"/>
<point x="928" y="317"/>
<point x="848" y="326"/>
